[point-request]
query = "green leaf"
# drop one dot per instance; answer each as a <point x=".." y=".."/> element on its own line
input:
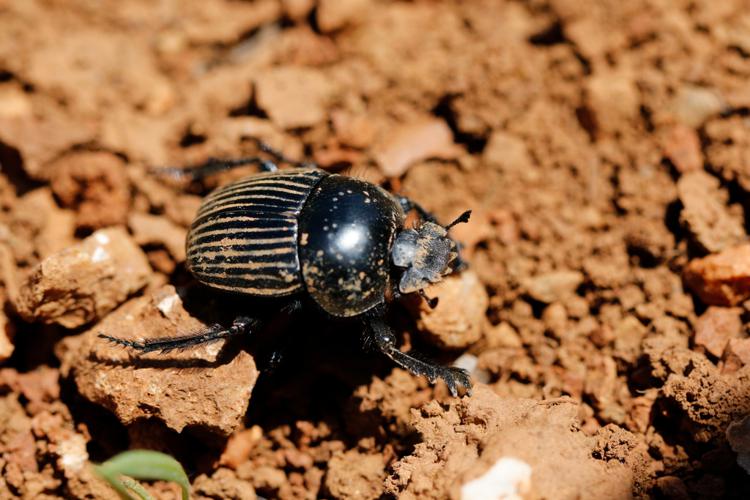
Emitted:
<point x="143" y="464"/>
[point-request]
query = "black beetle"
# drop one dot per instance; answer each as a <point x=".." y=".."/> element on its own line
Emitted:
<point x="340" y="240"/>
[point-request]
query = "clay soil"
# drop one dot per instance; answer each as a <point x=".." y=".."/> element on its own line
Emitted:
<point x="604" y="147"/>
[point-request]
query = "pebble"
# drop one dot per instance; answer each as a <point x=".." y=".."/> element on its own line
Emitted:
<point x="84" y="282"/>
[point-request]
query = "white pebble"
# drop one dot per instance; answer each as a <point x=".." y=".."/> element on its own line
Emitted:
<point x="508" y="479"/>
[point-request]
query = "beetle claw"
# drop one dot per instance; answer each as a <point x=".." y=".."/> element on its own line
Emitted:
<point x="453" y="377"/>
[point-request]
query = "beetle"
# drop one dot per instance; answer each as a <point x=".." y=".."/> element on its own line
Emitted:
<point x="306" y="233"/>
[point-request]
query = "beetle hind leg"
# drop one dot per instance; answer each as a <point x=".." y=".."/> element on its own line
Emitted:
<point x="385" y="341"/>
<point x="216" y="332"/>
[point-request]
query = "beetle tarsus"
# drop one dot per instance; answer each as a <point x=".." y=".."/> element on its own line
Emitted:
<point x="215" y="332"/>
<point x="385" y="341"/>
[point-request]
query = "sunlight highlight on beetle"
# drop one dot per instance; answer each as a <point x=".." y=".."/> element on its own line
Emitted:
<point x="350" y="238"/>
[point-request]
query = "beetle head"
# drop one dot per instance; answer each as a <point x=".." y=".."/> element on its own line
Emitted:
<point x="426" y="253"/>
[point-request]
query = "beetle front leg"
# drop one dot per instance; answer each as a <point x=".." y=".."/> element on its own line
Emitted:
<point x="240" y="326"/>
<point x="385" y="341"/>
<point x="408" y="205"/>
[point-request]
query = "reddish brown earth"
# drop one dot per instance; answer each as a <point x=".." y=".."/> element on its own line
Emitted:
<point x="604" y="147"/>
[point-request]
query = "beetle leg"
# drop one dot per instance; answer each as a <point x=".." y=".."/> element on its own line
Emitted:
<point x="408" y="205"/>
<point x="385" y="341"/>
<point x="282" y="158"/>
<point x="240" y="326"/>
<point x="214" y="166"/>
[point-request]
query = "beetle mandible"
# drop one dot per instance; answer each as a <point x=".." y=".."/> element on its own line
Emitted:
<point x="304" y="232"/>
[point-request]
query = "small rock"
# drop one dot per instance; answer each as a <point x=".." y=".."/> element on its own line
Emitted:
<point x="705" y="212"/>
<point x="628" y="334"/>
<point x="481" y="229"/>
<point x="93" y="183"/>
<point x="14" y="102"/>
<point x="406" y="144"/>
<point x="40" y="387"/>
<point x="223" y="484"/>
<point x="736" y="355"/>
<point x="613" y="101"/>
<point x="506" y="151"/>
<point x="182" y="389"/>
<point x="728" y="148"/>
<point x="693" y="105"/>
<point x="6" y="336"/>
<point x="239" y="446"/>
<point x="293" y="97"/>
<point x="84" y="282"/>
<point x="458" y="319"/>
<point x="508" y="479"/>
<point x="721" y="279"/>
<point x="738" y="436"/>
<point x="297" y="10"/>
<point x="39" y="228"/>
<point x="39" y="140"/>
<point x="333" y="15"/>
<point x="553" y="286"/>
<point x="716" y="326"/>
<point x="154" y="230"/>
<point x="355" y="131"/>
<point x="503" y="335"/>
<point x="683" y="148"/>
<point x="354" y="474"/>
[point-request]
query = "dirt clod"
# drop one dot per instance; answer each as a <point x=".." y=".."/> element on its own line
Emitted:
<point x="682" y="147"/>
<point x="406" y="144"/>
<point x="713" y="226"/>
<point x="716" y="327"/>
<point x="95" y="184"/>
<point x="553" y="286"/>
<point x="293" y="97"/>
<point x="158" y="231"/>
<point x="84" y="282"/>
<point x="721" y="279"/>
<point x="182" y="389"/>
<point x="355" y="475"/>
<point x="458" y="319"/>
<point x="460" y="443"/>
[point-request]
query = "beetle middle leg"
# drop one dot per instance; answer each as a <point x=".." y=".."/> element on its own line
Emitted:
<point x="240" y="326"/>
<point x="385" y="341"/>
<point x="214" y="166"/>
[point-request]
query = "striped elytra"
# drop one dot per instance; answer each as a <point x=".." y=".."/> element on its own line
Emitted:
<point x="244" y="237"/>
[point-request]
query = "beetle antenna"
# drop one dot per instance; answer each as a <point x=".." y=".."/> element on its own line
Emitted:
<point x="461" y="219"/>
<point x="432" y="302"/>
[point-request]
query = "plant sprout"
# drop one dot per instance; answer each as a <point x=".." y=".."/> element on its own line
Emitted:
<point x="121" y="471"/>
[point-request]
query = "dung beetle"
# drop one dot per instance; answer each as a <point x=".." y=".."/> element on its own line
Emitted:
<point x="304" y="233"/>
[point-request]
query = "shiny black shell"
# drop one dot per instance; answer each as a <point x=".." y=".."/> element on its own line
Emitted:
<point x="346" y="231"/>
<point x="285" y="232"/>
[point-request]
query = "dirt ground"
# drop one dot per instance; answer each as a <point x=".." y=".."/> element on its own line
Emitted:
<point x="604" y="147"/>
